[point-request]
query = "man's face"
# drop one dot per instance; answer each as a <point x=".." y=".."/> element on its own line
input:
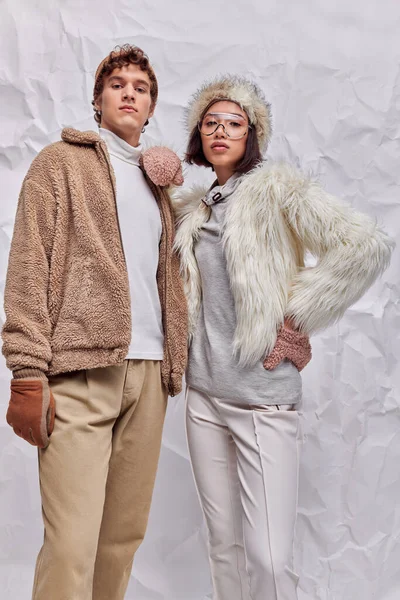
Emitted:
<point x="125" y="102"/>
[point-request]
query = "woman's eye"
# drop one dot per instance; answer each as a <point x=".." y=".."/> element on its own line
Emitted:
<point x="234" y="124"/>
<point x="211" y="123"/>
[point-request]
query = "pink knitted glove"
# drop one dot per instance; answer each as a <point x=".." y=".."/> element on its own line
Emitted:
<point x="292" y="345"/>
<point x="162" y="165"/>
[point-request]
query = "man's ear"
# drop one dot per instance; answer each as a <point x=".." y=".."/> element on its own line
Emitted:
<point x="97" y="103"/>
<point x="152" y="109"/>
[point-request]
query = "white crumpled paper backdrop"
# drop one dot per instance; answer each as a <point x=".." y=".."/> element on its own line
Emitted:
<point x="331" y="71"/>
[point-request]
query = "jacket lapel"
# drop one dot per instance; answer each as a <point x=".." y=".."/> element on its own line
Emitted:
<point x="191" y="214"/>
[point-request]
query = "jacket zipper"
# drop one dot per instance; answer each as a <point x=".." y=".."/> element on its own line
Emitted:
<point x="110" y="173"/>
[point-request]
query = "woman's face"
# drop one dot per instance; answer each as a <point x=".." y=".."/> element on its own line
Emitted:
<point x="219" y="149"/>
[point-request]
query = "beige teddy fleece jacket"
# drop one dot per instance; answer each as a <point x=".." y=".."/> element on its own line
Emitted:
<point x="67" y="298"/>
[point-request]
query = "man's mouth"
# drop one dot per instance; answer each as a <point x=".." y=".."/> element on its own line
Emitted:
<point x="128" y="108"/>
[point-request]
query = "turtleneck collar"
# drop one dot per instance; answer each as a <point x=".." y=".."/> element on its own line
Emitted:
<point x="119" y="148"/>
<point x="219" y="193"/>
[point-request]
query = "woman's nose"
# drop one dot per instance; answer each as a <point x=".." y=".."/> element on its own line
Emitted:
<point x="220" y="131"/>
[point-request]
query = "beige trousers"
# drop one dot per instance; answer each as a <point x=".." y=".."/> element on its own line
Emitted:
<point x="97" y="477"/>
<point x="245" y="462"/>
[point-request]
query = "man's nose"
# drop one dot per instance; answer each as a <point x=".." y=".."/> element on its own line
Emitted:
<point x="129" y="92"/>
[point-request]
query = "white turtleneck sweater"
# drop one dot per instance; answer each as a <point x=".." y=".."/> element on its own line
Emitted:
<point x="140" y="226"/>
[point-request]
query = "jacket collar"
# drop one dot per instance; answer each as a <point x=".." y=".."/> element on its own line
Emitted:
<point x="88" y="138"/>
<point x="73" y="136"/>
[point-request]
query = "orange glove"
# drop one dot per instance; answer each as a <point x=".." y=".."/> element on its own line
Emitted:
<point x="31" y="411"/>
<point x="290" y="344"/>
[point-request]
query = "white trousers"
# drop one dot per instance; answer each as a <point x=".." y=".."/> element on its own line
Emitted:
<point x="245" y="462"/>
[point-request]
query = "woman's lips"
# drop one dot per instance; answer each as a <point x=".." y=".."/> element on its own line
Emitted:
<point x="219" y="147"/>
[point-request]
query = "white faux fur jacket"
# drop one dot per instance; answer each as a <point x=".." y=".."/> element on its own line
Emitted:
<point x="274" y="216"/>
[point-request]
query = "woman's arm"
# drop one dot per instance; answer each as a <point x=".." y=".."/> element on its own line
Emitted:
<point x="352" y="251"/>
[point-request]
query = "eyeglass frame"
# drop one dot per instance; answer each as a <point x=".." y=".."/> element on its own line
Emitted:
<point x="223" y="126"/>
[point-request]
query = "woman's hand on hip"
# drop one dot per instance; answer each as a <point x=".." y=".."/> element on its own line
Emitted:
<point x="290" y="344"/>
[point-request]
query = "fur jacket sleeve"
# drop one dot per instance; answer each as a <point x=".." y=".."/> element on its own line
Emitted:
<point x="351" y="251"/>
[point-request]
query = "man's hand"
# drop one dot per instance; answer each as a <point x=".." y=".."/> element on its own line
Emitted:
<point x="292" y="345"/>
<point x="31" y="410"/>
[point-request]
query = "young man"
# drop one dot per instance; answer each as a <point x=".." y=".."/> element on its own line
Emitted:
<point x="95" y="332"/>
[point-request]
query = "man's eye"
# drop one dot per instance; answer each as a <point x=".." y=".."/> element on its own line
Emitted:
<point x="141" y="90"/>
<point x="116" y="86"/>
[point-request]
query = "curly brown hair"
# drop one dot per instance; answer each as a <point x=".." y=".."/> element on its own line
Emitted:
<point x="120" y="57"/>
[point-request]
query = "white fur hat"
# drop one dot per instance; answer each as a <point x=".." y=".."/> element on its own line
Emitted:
<point x="247" y="94"/>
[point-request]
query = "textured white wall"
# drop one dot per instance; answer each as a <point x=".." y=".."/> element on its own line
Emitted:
<point x="331" y="71"/>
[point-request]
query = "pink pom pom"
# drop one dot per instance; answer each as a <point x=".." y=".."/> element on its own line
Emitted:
<point x="162" y="165"/>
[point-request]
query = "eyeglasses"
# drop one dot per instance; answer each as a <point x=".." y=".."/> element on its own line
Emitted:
<point x="234" y="126"/>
